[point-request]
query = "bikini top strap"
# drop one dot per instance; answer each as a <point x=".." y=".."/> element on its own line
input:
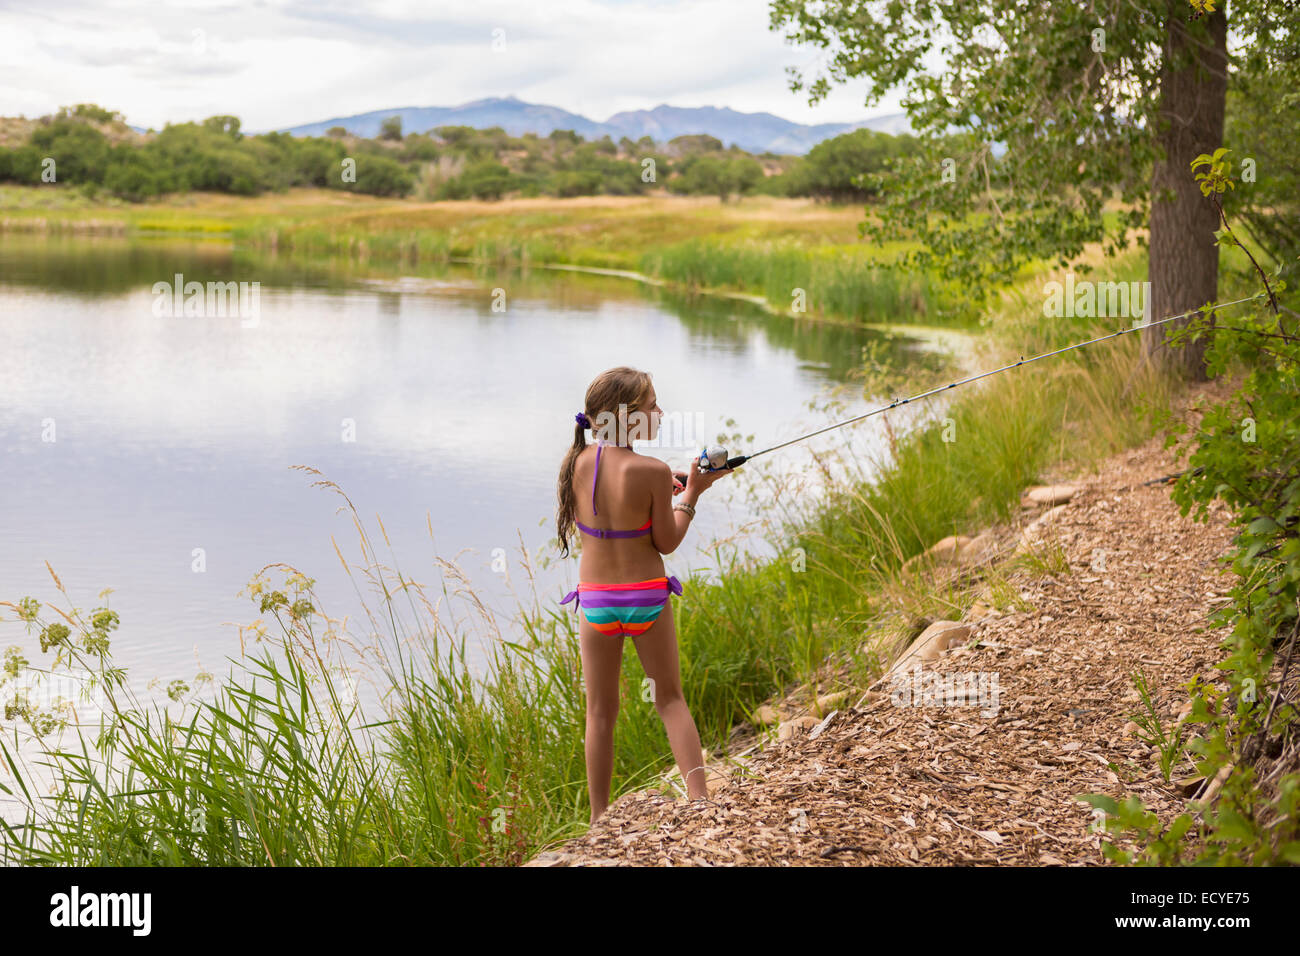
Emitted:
<point x="593" y="478"/>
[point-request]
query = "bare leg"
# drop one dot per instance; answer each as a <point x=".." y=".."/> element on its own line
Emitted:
<point x="657" y="648"/>
<point x="602" y="658"/>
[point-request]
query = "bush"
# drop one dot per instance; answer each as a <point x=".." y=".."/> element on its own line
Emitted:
<point x="22" y="165"/>
<point x="833" y="166"/>
<point x="80" y="152"/>
<point x="91" y="112"/>
<point x="133" y="179"/>
<point x="485" y="179"/>
<point x="380" y="176"/>
<point x="1248" y="456"/>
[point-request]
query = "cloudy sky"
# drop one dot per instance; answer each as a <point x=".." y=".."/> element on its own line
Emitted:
<point x="277" y="63"/>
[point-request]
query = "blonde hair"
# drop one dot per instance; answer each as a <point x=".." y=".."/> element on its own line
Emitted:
<point x="615" y="387"/>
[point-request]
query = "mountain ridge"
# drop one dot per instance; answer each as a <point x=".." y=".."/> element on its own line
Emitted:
<point x="753" y="132"/>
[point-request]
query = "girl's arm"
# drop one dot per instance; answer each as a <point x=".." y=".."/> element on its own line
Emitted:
<point x="668" y="526"/>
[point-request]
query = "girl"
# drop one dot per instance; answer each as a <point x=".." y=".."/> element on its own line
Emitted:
<point x="622" y="589"/>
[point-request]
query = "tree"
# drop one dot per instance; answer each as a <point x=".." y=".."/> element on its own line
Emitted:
<point x="717" y="175"/>
<point x="1265" y="92"/>
<point x="80" y="151"/>
<point x="226" y="125"/>
<point x="391" y="128"/>
<point x="456" y="137"/>
<point x="486" y="179"/>
<point x="379" y="176"/>
<point x="744" y="172"/>
<point x="90" y="111"/>
<point x="1093" y="102"/>
<point x="701" y="175"/>
<point x="564" y="137"/>
<point x="694" y="144"/>
<point x="834" y="165"/>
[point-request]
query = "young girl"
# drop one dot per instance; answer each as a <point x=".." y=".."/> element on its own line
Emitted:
<point x="622" y="502"/>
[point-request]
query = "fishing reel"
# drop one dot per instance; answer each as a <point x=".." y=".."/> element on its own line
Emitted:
<point x="714" y="458"/>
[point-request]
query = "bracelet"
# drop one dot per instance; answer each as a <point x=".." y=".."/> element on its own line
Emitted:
<point x="683" y="506"/>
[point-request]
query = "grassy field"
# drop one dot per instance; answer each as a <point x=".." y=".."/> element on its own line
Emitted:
<point x="279" y="768"/>
<point x="760" y="246"/>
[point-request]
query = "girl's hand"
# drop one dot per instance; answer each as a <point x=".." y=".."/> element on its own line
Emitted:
<point x="679" y="482"/>
<point x="699" y="483"/>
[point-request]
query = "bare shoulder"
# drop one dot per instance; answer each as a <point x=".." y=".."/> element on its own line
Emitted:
<point x="653" y="467"/>
<point x="652" y="471"/>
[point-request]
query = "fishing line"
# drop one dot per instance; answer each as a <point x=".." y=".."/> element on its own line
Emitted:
<point x="716" y="457"/>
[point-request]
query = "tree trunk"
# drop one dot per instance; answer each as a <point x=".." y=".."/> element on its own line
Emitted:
<point x="1184" y="259"/>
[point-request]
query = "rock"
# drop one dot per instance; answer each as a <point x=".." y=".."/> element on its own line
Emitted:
<point x="1036" y="527"/>
<point x="766" y="716"/>
<point x="1047" y="518"/>
<point x="934" y="640"/>
<point x="943" y="551"/>
<point x="981" y="546"/>
<point x="1131" y="728"/>
<point x="1052" y="494"/>
<point x="956" y="549"/>
<point x="828" y="702"/>
<point x="796" y="726"/>
<point x="946" y="549"/>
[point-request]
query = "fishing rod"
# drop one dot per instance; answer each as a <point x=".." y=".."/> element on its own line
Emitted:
<point x="714" y="458"/>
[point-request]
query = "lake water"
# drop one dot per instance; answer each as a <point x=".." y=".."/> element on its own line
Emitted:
<point x="153" y="454"/>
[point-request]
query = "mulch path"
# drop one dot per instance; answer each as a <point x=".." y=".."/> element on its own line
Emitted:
<point x="973" y="783"/>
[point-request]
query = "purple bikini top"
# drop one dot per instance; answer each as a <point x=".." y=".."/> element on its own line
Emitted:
<point x="605" y="532"/>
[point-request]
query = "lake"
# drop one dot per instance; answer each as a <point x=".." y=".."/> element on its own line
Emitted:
<point x="153" y="453"/>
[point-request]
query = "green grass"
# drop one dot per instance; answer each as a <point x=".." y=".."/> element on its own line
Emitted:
<point x="833" y="281"/>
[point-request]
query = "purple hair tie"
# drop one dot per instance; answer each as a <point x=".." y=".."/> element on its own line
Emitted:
<point x="582" y="419"/>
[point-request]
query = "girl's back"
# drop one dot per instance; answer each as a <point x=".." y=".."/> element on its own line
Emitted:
<point x="622" y="503"/>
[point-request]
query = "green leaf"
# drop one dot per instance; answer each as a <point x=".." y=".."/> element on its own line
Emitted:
<point x="1100" y="801"/>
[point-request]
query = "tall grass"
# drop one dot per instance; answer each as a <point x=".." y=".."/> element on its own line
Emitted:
<point x="830" y="281"/>
<point x="282" y="766"/>
<point x="839" y="283"/>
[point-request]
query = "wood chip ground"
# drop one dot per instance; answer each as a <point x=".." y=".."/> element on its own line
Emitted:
<point x="953" y="785"/>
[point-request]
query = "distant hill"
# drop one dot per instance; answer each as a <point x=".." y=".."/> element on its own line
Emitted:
<point x="754" y="132"/>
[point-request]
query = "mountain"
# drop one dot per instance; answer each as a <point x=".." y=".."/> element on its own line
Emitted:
<point x="754" y="132"/>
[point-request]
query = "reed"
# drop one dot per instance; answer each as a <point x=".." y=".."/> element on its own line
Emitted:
<point x="844" y="282"/>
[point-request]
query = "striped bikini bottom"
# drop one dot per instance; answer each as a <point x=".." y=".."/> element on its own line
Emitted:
<point x="623" y="609"/>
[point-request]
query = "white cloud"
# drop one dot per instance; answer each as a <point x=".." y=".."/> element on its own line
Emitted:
<point x="283" y="62"/>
